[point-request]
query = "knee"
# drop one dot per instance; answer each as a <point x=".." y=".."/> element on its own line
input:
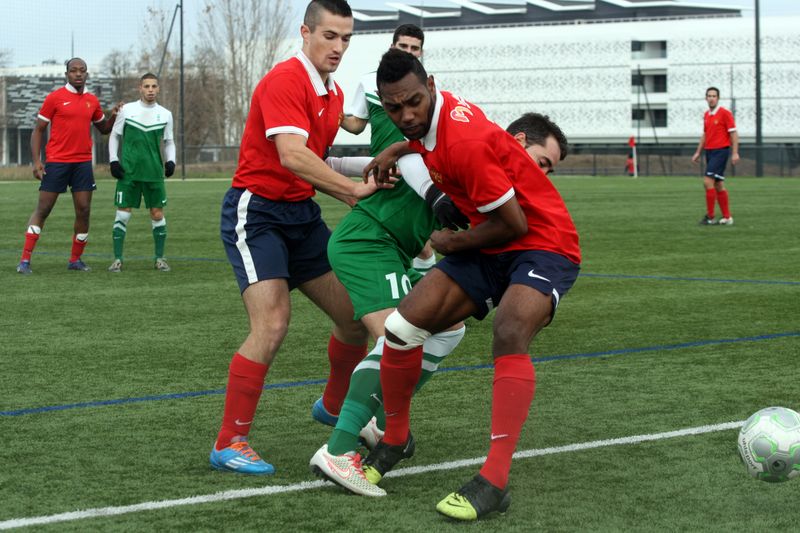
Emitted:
<point x="353" y="332"/>
<point x="514" y="337"/>
<point x="82" y="212"/>
<point x="403" y="334"/>
<point x="270" y="331"/>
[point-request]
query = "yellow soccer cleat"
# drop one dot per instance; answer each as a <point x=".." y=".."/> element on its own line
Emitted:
<point x="384" y="457"/>
<point x="475" y="499"/>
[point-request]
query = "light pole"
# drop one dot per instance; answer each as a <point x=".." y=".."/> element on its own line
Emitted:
<point x="759" y="140"/>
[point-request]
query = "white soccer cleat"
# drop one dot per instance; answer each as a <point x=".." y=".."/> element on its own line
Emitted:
<point x="726" y="221"/>
<point x="371" y="434"/>
<point x="344" y="470"/>
<point x="116" y="266"/>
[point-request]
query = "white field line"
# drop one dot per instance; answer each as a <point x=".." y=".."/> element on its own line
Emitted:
<point x="308" y="485"/>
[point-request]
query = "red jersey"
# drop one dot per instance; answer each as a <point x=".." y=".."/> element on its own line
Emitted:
<point x="70" y="115"/>
<point x="291" y="98"/>
<point x="480" y="166"/>
<point x="718" y="125"/>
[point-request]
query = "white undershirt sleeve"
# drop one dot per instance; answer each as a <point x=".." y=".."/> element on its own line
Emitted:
<point x="349" y="166"/>
<point x="415" y="173"/>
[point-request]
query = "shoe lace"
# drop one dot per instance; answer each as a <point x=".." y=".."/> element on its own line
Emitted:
<point x="356" y="460"/>
<point x="243" y="448"/>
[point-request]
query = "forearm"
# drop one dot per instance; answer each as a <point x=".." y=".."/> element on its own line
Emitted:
<point x="348" y="166"/>
<point x="169" y="150"/>
<point x="485" y="235"/>
<point x="36" y="146"/>
<point x="113" y="147"/>
<point x="304" y="163"/>
<point x="701" y="144"/>
<point x="504" y="224"/>
<point x="734" y="142"/>
<point x="415" y="173"/>
<point x="353" y="124"/>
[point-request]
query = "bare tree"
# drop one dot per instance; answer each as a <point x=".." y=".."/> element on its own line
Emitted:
<point x="119" y="66"/>
<point x="253" y="34"/>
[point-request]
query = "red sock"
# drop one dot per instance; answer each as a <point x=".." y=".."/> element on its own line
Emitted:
<point x="77" y="248"/>
<point x="400" y="371"/>
<point x="245" y="383"/>
<point x="722" y="198"/>
<point x="512" y="394"/>
<point x="343" y="359"/>
<point x="711" y="198"/>
<point x="30" y="244"/>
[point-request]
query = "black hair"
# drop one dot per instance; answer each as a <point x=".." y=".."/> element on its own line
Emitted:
<point x="537" y="128"/>
<point x="396" y="64"/>
<point x="408" y="30"/>
<point x="70" y="60"/>
<point x="148" y="76"/>
<point x="712" y="89"/>
<point x="316" y="7"/>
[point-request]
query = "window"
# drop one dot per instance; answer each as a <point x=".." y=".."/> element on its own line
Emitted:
<point x="654" y="117"/>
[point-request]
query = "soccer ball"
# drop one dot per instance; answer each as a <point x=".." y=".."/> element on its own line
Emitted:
<point x="769" y="443"/>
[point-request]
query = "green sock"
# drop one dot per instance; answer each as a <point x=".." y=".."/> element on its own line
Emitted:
<point x="365" y="400"/>
<point x="362" y="400"/>
<point x="119" y="232"/>
<point x="160" y="236"/>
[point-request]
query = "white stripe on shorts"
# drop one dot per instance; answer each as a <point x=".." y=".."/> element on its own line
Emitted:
<point x="241" y="235"/>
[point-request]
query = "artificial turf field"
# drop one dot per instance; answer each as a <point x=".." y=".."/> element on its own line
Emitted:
<point x="111" y="389"/>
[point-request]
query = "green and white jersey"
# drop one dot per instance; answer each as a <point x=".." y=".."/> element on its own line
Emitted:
<point x="143" y="129"/>
<point x="366" y="105"/>
<point x="401" y="211"/>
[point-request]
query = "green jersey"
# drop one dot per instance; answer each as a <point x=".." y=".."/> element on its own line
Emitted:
<point x="400" y="210"/>
<point x="143" y="129"/>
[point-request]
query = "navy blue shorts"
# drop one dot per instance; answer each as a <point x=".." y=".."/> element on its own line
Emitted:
<point x="716" y="161"/>
<point x="78" y="176"/>
<point x="486" y="277"/>
<point x="270" y="240"/>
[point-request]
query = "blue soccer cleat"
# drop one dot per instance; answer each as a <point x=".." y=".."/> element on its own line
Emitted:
<point x="321" y="415"/>
<point x="78" y="265"/>
<point x="240" y="457"/>
<point x="24" y="267"/>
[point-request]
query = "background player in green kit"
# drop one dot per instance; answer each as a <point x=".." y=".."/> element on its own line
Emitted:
<point x="144" y="126"/>
<point x="365" y="107"/>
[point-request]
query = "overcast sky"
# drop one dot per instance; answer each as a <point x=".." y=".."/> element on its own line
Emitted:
<point x="38" y="30"/>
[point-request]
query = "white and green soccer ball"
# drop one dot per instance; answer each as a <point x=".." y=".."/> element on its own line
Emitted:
<point x="769" y="443"/>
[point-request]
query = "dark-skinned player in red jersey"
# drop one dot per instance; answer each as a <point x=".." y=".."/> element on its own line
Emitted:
<point x="520" y="256"/>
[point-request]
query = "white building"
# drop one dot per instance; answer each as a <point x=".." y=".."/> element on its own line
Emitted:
<point x="579" y="62"/>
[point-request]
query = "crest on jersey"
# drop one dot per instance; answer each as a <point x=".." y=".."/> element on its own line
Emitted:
<point x="436" y="176"/>
<point x="460" y="112"/>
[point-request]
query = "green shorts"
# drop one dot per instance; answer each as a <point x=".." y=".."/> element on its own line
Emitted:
<point x="129" y="194"/>
<point x="372" y="267"/>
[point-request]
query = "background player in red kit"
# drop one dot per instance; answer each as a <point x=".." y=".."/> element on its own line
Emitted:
<point x="720" y="140"/>
<point x="520" y="255"/>
<point x="273" y="234"/>
<point x="69" y="111"/>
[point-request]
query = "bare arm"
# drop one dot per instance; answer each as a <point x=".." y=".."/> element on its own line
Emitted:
<point x="734" y="147"/>
<point x="36" y="148"/>
<point x="696" y="156"/>
<point x="353" y="124"/>
<point x="108" y="123"/>
<point x="504" y="224"/>
<point x="300" y="160"/>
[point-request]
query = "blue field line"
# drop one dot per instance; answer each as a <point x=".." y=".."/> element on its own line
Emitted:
<point x="680" y="278"/>
<point x="293" y="384"/>
<point x="582" y="274"/>
<point x="127" y="257"/>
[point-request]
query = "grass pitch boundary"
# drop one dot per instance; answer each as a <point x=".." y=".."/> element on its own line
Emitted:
<point x="310" y="485"/>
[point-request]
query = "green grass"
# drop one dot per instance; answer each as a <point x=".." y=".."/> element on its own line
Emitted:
<point x="651" y="279"/>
